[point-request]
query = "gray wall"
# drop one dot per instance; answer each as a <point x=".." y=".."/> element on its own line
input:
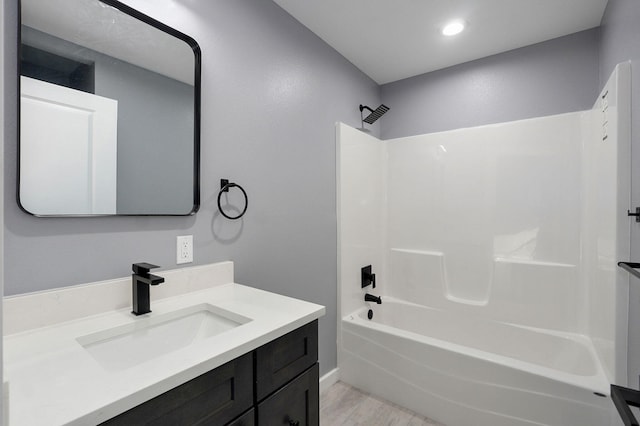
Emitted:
<point x="2" y="138"/>
<point x="556" y="76"/>
<point x="621" y="42"/>
<point x="272" y="92"/>
<point x="155" y="139"/>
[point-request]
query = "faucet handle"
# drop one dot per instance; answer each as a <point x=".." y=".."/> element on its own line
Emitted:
<point x="143" y="268"/>
<point x="367" y="277"/>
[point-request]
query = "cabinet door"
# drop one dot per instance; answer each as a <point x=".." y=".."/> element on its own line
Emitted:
<point x="214" y="398"/>
<point x="281" y="360"/>
<point x="296" y="404"/>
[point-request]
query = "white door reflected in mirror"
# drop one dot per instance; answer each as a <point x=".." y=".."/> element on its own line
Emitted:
<point x="69" y="140"/>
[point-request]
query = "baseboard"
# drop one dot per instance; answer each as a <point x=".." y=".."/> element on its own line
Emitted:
<point x="329" y="379"/>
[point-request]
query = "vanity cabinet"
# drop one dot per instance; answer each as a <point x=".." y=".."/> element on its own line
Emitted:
<point x="276" y="384"/>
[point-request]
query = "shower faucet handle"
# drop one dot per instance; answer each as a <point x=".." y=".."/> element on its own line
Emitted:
<point x="367" y="277"/>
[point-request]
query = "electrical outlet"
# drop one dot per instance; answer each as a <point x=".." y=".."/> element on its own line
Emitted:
<point x="184" y="249"/>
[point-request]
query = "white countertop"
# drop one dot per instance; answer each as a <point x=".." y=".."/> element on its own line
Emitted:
<point x="54" y="381"/>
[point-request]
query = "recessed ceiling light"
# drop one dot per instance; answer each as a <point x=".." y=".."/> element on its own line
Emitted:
<point x="453" y="28"/>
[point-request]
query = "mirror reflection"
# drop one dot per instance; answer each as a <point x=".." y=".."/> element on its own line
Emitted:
<point x="109" y="112"/>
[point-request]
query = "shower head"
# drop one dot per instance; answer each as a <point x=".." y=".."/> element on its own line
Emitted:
<point x="371" y="118"/>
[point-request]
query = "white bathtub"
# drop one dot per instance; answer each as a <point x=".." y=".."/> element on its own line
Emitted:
<point x="466" y="371"/>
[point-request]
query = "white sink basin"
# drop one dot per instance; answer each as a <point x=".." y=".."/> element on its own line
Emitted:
<point x="128" y="345"/>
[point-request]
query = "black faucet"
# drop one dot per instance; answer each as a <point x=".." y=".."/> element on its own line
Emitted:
<point x="141" y="280"/>
<point x="371" y="298"/>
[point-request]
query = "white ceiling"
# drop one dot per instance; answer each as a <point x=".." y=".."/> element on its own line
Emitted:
<point x="394" y="39"/>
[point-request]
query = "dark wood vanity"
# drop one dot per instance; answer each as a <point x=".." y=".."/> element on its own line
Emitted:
<point x="275" y="384"/>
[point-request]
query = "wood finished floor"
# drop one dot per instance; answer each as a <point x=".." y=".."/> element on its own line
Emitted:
<point x="344" y="405"/>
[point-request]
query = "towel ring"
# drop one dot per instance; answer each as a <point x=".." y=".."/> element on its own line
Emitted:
<point x="224" y="187"/>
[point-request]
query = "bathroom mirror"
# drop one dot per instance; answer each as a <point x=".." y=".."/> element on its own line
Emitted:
<point x="109" y="112"/>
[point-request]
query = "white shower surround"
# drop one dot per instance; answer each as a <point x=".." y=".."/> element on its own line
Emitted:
<point x="517" y="223"/>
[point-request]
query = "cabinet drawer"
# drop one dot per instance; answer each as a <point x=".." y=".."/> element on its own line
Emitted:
<point x="247" y="419"/>
<point x="283" y="359"/>
<point x="214" y="398"/>
<point x="295" y="404"/>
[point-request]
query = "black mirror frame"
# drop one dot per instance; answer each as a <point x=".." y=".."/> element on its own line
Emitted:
<point x="196" y="119"/>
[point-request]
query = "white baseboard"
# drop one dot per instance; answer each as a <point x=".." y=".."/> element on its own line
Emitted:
<point x="329" y="379"/>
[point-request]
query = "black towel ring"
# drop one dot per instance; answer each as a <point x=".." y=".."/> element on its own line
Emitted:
<point x="224" y="187"/>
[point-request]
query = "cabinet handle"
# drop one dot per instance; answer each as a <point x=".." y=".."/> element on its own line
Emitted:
<point x="294" y="423"/>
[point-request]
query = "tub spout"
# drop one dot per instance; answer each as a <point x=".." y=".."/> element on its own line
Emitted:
<point x="371" y="298"/>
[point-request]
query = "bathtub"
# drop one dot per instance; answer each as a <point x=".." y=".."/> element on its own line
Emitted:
<point x="466" y="371"/>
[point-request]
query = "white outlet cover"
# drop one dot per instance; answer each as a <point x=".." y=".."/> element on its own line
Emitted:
<point x="184" y="249"/>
